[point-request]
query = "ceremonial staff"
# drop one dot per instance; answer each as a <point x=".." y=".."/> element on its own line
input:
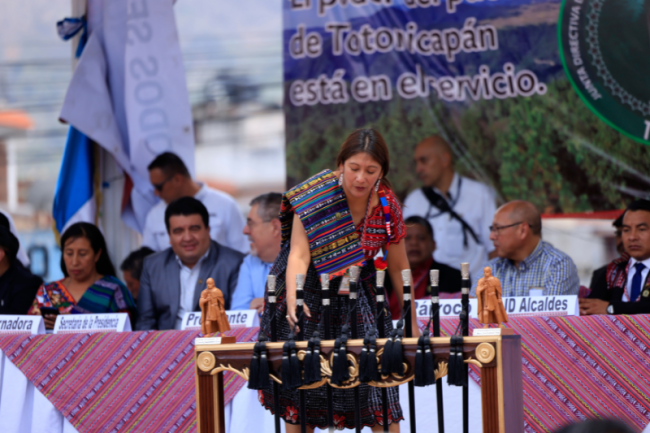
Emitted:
<point x="300" y="302"/>
<point x="464" y="324"/>
<point x="381" y="330"/>
<point x="408" y="332"/>
<point x="354" y="296"/>
<point x="270" y="284"/>
<point x="434" y="275"/>
<point x="325" y="285"/>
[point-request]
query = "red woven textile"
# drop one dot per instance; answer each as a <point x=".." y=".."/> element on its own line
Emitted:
<point x="131" y="381"/>
<point x="575" y="368"/>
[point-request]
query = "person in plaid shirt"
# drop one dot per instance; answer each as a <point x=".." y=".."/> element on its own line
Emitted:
<point x="524" y="261"/>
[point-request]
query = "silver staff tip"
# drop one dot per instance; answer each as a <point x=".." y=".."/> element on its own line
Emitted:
<point x="300" y="280"/>
<point x="325" y="280"/>
<point x="434" y="277"/>
<point x="381" y="276"/>
<point x="464" y="270"/>
<point x="406" y="277"/>
<point x="354" y="273"/>
<point x="270" y="282"/>
<point x="345" y="283"/>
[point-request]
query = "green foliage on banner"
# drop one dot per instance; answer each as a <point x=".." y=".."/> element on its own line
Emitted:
<point x="551" y="150"/>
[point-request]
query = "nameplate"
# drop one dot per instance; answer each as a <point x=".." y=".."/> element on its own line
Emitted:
<point x="236" y="319"/>
<point x="84" y="323"/>
<point x="489" y="332"/>
<point x="15" y="324"/>
<point x="206" y="341"/>
<point x="516" y="306"/>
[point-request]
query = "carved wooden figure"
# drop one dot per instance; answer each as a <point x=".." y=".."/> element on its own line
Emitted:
<point x="490" y="304"/>
<point x="213" y="311"/>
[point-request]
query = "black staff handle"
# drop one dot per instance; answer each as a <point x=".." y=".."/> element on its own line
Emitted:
<point x="408" y="332"/>
<point x="354" y="302"/>
<point x="464" y="322"/>
<point x="381" y="331"/>
<point x="434" y="277"/>
<point x="300" y="302"/>
<point x="270" y="284"/>
<point x="327" y="334"/>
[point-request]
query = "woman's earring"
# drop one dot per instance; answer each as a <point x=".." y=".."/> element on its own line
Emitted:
<point x="341" y="180"/>
<point x="377" y="185"/>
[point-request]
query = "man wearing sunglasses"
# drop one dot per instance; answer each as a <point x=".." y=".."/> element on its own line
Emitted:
<point x="171" y="180"/>
<point x="524" y="261"/>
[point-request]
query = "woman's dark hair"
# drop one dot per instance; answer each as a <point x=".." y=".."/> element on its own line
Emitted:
<point x="371" y="142"/>
<point x="104" y="266"/>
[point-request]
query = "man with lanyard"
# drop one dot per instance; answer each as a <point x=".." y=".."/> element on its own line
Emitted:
<point x="627" y="289"/>
<point x="459" y="209"/>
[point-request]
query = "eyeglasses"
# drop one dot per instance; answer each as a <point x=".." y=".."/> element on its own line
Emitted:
<point x="161" y="185"/>
<point x="496" y="229"/>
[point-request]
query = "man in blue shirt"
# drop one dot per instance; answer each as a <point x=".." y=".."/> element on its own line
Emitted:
<point x="524" y="261"/>
<point x="264" y="232"/>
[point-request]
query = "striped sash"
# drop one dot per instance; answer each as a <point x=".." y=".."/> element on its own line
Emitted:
<point x="321" y="205"/>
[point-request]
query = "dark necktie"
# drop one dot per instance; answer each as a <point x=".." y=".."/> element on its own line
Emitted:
<point x="637" y="281"/>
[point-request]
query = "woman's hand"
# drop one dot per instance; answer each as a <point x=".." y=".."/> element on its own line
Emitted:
<point x="291" y="313"/>
<point x="49" y="320"/>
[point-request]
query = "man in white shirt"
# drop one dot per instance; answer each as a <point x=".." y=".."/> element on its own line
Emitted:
<point x="171" y="180"/>
<point x="264" y="230"/>
<point x="626" y="289"/>
<point x="459" y="209"/>
<point x="172" y="280"/>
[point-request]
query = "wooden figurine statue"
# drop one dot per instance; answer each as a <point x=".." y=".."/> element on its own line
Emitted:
<point x="490" y="304"/>
<point x="213" y="311"/>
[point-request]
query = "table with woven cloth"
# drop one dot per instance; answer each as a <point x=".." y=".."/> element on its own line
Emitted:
<point x="573" y="368"/>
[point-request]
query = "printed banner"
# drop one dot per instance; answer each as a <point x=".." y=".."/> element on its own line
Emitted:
<point x="488" y="76"/>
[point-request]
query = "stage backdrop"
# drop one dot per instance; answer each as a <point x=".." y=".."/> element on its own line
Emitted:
<point x="489" y="76"/>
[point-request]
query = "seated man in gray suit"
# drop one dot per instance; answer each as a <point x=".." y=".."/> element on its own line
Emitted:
<point x="172" y="280"/>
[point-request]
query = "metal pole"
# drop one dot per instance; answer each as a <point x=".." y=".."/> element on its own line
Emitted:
<point x="408" y="332"/>
<point x="381" y="331"/>
<point x="270" y="284"/>
<point x="435" y="314"/>
<point x="464" y="270"/>
<point x="354" y="296"/>
<point x="327" y="335"/>
<point x="300" y="302"/>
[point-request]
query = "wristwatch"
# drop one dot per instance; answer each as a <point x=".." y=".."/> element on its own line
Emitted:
<point x="610" y="309"/>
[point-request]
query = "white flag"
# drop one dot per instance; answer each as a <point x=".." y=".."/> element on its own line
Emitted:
<point x="129" y="94"/>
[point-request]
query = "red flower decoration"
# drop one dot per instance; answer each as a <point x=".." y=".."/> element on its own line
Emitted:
<point x="379" y="416"/>
<point x="291" y="414"/>
<point x="380" y="264"/>
<point x="339" y="422"/>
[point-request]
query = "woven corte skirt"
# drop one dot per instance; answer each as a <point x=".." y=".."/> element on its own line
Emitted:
<point x="343" y="399"/>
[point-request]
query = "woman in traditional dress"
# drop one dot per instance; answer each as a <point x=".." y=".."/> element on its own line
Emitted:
<point x="90" y="285"/>
<point x="330" y="222"/>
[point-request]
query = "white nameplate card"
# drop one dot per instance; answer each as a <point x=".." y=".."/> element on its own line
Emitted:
<point x="236" y="318"/>
<point x="83" y="323"/>
<point x="15" y="324"/>
<point x="517" y="306"/>
<point x="209" y="340"/>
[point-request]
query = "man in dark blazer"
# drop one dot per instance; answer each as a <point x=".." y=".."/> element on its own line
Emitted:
<point x="625" y="287"/>
<point x="172" y="280"/>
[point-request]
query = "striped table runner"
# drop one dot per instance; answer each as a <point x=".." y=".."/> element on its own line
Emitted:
<point x="576" y="368"/>
<point x="131" y="381"/>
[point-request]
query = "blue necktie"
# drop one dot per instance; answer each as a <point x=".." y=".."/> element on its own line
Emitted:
<point x="637" y="281"/>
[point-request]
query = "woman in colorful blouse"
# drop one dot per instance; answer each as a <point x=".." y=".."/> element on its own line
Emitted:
<point x="90" y="285"/>
<point x="330" y="222"/>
